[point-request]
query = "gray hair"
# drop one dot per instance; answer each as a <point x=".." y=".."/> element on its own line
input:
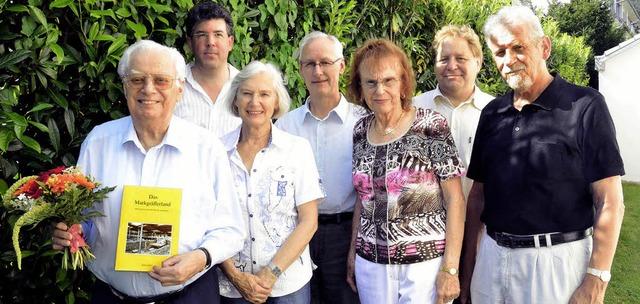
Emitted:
<point x="148" y="45"/>
<point x="253" y="68"/>
<point x="510" y="16"/>
<point x="337" y="46"/>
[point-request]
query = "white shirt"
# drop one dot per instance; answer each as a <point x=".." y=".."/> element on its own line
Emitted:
<point x="189" y="158"/>
<point x="197" y="107"/>
<point x="331" y="140"/>
<point x="283" y="177"/>
<point x="462" y="119"/>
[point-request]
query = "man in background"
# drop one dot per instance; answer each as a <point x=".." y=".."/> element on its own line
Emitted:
<point x="208" y="77"/>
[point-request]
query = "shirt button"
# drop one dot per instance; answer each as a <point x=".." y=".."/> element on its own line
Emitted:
<point x="281" y="176"/>
<point x="249" y="195"/>
<point x="517" y="129"/>
<point x="254" y="262"/>
<point x="253" y="239"/>
<point x="263" y="151"/>
<point x="250" y="215"/>
<point x="254" y="170"/>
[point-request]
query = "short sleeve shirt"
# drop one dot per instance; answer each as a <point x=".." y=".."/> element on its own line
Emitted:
<point x="537" y="164"/>
<point x="283" y="177"/>
<point x="403" y="217"/>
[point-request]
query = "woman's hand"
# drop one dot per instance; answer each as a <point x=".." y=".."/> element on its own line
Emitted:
<point x="447" y="287"/>
<point x="60" y="238"/>
<point x="254" y="288"/>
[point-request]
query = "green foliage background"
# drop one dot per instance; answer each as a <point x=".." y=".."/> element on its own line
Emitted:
<point x="58" y="80"/>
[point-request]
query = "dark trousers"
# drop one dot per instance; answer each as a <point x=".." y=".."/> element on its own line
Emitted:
<point x="204" y="290"/>
<point x="329" y="250"/>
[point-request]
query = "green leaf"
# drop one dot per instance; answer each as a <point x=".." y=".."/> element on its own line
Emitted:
<point x="60" y="3"/>
<point x="251" y="14"/>
<point x="31" y="143"/>
<point x="58" y="98"/>
<point x="69" y="120"/>
<point x="93" y="31"/>
<point x="17" y="119"/>
<point x="37" y="14"/>
<point x="58" y="51"/>
<point x="18" y="8"/>
<point x="13" y="58"/>
<point x="40" y="126"/>
<point x="28" y="26"/>
<point x="271" y="6"/>
<point x="6" y="136"/>
<point x="117" y="44"/>
<point x="39" y="107"/>
<point x="54" y="134"/>
<point x="138" y="28"/>
<point x="104" y="38"/>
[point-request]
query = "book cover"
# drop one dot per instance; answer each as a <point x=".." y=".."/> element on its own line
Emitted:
<point x="149" y="227"/>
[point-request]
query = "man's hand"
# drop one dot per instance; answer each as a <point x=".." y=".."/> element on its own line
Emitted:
<point x="351" y="270"/>
<point x="591" y="291"/>
<point x="179" y="268"/>
<point x="60" y="238"/>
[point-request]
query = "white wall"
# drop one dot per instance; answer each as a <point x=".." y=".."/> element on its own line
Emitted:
<point x="620" y="84"/>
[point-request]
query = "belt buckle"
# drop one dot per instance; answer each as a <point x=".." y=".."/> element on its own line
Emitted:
<point x="547" y="239"/>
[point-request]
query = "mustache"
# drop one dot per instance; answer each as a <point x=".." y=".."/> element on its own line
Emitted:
<point x="513" y="68"/>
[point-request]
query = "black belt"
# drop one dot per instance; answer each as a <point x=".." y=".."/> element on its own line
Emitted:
<point x="537" y="240"/>
<point x="336" y="218"/>
<point x="158" y="299"/>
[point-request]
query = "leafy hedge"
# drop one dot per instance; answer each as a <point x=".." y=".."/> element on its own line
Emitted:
<point x="58" y="80"/>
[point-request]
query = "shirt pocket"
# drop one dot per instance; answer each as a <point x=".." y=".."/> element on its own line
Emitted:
<point x="553" y="161"/>
<point x="282" y="191"/>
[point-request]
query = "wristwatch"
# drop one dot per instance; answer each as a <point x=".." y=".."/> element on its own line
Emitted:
<point x="604" y="275"/>
<point x="275" y="269"/>
<point x="450" y="270"/>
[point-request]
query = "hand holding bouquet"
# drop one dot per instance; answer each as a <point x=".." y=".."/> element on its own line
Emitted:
<point x="60" y="195"/>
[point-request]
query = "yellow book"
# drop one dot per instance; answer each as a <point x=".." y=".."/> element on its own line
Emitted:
<point x="149" y="227"/>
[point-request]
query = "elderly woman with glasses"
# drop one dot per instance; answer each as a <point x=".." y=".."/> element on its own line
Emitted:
<point x="278" y="187"/>
<point x="155" y="149"/>
<point x="409" y="221"/>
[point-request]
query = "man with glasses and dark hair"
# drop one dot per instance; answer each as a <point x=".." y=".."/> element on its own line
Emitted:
<point x="327" y="120"/>
<point x="210" y="38"/>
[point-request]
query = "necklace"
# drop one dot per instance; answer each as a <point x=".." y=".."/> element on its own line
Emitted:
<point x="388" y="131"/>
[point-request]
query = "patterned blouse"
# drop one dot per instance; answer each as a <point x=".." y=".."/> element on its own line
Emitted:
<point x="403" y="217"/>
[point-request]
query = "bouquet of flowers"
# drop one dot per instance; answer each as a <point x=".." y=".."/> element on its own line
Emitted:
<point x="60" y="195"/>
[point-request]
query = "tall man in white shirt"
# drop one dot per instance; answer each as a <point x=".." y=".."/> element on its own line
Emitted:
<point x="458" y="60"/>
<point x="327" y="120"/>
<point x="208" y="77"/>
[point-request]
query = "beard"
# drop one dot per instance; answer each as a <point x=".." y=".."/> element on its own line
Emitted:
<point x="516" y="80"/>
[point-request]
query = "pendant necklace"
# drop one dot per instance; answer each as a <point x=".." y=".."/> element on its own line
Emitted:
<point x="388" y="131"/>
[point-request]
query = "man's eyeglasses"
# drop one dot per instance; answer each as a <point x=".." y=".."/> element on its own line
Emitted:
<point x="310" y="65"/>
<point x="205" y="36"/>
<point x="160" y="81"/>
<point x="373" y="84"/>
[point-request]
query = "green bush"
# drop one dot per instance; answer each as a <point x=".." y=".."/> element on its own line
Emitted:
<point x="58" y="80"/>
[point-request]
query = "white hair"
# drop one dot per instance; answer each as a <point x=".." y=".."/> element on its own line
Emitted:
<point x="337" y="46"/>
<point x="257" y="67"/>
<point x="510" y="16"/>
<point x="147" y="45"/>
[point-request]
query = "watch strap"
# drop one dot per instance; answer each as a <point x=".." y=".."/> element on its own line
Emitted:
<point x="275" y="269"/>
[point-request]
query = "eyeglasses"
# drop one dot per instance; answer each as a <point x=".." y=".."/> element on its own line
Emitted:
<point x="205" y="36"/>
<point x="311" y="65"/>
<point x="160" y="81"/>
<point x="386" y="83"/>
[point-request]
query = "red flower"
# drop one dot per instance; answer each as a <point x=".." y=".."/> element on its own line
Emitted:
<point x="44" y="176"/>
<point x="30" y="189"/>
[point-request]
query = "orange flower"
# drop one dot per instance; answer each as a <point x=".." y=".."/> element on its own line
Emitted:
<point x="30" y="189"/>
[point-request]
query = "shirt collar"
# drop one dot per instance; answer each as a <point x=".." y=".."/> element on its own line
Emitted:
<point x="341" y="110"/>
<point x="547" y="100"/>
<point x="277" y="138"/>
<point x="477" y="103"/>
<point x="174" y="137"/>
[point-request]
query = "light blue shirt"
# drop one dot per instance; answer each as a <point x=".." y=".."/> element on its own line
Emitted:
<point x="189" y="158"/>
<point x="331" y="140"/>
<point x="283" y="177"/>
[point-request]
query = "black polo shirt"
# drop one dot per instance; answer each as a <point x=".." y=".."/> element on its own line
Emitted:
<point x="537" y="164"/>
